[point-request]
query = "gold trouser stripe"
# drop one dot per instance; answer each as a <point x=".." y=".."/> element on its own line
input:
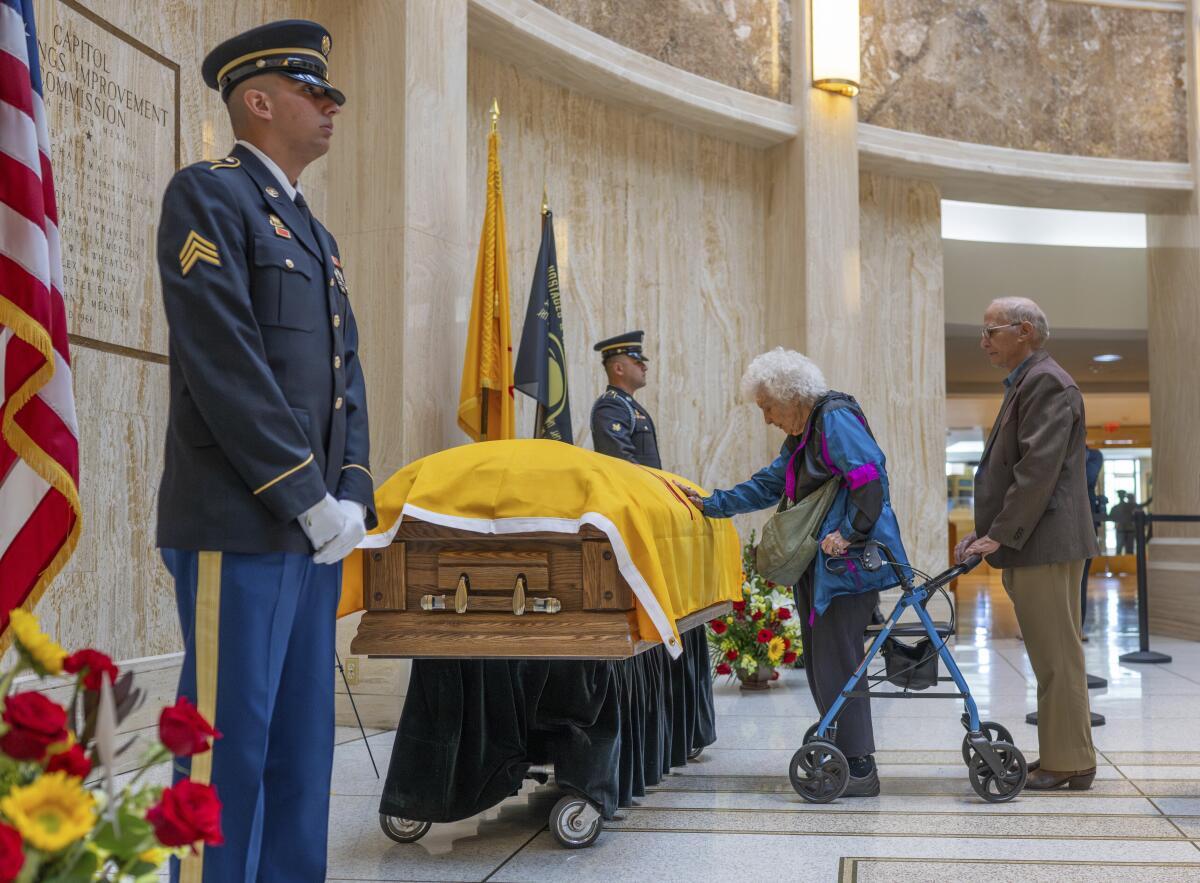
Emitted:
<point x="282" y="50"/>
<point x="280" y="478"/>
<point x="356" y="466"/>
<point x="207" y="649"/>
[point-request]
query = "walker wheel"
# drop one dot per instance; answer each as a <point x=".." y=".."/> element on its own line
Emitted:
<point x="819" y="772"/>
<point x="575" y="822"/>
<point x="1002" y="788"/>
<point x="695" y="753"/>
<point x="403" y="830"/>
<point x="995" y="733"/>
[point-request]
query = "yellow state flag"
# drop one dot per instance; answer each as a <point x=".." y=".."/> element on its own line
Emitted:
<point x="485" y="401"/>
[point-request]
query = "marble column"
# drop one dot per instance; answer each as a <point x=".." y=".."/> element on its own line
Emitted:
<point x="1173" y="240"/>
<point x="903" y="387"/>
<point x="854" y="272"/>
<point x="397" y="203"/>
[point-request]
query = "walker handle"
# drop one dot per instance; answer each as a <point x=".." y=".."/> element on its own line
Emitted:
<point x="953" y="573"/>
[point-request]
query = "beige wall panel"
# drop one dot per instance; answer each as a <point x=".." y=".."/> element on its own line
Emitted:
<point x="1077" y="78"/>
<point x="904" y="390"/>
<point x="657" y="228"/>
<point x="1173" y="241"/>
<point x="742" y="43"/>
<point x="115" y="595"/>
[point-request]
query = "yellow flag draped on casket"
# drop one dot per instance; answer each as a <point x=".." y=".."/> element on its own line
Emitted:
<point x="675" y="560"/>
<point x="485" y="401"/>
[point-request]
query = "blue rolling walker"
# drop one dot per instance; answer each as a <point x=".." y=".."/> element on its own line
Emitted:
<point x="996" y="768"/>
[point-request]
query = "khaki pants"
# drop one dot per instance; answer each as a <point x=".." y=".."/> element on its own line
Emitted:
<point x="1046" y="598"/>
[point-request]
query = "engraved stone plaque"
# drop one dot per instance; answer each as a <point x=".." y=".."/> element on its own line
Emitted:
<point x="112" y="107"/>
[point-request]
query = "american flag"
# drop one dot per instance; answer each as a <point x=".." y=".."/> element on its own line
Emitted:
<point x="39" y="436"/>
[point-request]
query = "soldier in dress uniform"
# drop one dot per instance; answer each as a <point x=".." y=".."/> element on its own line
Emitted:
<point x="266" y="482"/>
<point x="620" y="426"/>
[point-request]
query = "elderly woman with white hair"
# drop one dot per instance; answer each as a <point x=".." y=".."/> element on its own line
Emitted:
<point x="827" y="436"/>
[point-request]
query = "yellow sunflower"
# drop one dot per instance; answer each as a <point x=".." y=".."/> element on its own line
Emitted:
<point x="775" y="649"/>
<point x="52" y="812"/>
<point x="45" y="654"/>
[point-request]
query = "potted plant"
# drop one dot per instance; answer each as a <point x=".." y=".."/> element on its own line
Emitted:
<point x="55" y="827"/>
<point x="759" y="635"/>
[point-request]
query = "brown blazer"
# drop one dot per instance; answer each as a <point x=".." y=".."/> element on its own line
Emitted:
<point x="1031" y="486"/>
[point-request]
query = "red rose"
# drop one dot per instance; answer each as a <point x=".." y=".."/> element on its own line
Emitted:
<point x="184" y="730"/>
<point x="739" y="606"/>
<point x="756" y="615"/>
<point x="784" y="613"/>
<point x="787" y="644"/>
<point x="73" y="762"/>
<point x="12" y="859"/>
<point x="718" y="626"/>
<point x="774" y="675"/>
<point x="187" y="813"/>
<point x="94" y="663"/>
<point x="789" y="658"/>
<point x="770" y="585"/>
<point x="36" y="723"/>
<point x="724" y="669"/>
<point x="765" y="636"/>
<point x="731" y="655"/>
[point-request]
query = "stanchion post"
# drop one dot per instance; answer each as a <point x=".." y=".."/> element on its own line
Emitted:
<point x="1144" y="654"/>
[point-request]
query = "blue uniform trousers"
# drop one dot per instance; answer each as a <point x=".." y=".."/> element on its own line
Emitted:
<point x="259" y="657"/>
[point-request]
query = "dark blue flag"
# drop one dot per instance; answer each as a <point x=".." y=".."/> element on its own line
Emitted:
<point x="541" y="369"/>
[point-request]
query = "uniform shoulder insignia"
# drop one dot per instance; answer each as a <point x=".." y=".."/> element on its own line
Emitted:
<point x="616" y="427"/>
<point x="229" y="162"/>
<point x="197" y="248"/>
<point x="610" y="394"/>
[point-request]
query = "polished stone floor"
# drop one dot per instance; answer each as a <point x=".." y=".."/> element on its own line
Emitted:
<point x="733" y="815"/>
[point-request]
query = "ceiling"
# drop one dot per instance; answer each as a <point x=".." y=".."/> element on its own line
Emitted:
<point x="969" y="372"/>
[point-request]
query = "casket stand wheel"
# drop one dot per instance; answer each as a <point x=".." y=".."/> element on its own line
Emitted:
<point x="403" y="830"/>
<point x="575" y="823"/>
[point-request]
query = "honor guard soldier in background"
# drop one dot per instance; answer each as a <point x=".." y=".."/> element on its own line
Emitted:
<point x="266" y="483"/>
<point x="620" y="426"/>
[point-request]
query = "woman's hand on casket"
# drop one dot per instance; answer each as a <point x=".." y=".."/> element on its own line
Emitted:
<point x="693" y="497"/>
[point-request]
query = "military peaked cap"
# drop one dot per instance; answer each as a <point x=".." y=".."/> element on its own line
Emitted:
<point x="295" y="48"/>
<point x="628" y="344"/>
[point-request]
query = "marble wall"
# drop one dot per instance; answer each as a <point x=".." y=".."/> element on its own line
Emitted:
<point x="742" y="43"/>
<point x="904" y="387"/>
<point x="1047" y="75"/>
<point x="657" y="228"/>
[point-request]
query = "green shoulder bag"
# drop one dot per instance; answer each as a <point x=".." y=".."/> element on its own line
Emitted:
<point x="789" y="539"/>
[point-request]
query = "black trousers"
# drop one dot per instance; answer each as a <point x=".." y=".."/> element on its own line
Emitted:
<point x="833" y="649"/>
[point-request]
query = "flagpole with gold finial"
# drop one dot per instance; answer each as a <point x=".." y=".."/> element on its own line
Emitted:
<point x="495" y="113"/>
<point x="545" y="201"/>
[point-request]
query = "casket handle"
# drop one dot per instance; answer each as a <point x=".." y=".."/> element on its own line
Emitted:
<point x="460" y="594"/>
<point x="519" y="595"/>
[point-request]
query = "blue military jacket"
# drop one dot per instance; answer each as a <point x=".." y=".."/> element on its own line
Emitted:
<point x="623" y="428"/>
<point x="268" y="408"/>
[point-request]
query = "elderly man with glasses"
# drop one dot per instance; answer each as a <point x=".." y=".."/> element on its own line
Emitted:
<point x="1033" y="520"/>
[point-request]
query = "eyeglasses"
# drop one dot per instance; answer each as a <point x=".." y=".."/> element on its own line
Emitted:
<point x="988" y="330"/>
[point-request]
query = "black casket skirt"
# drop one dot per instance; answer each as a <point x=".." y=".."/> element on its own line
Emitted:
<point x="471" y="729"/>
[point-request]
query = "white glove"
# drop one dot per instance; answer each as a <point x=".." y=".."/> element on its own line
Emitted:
<point x="323" y="521"/>
<point x="352" y="533"/>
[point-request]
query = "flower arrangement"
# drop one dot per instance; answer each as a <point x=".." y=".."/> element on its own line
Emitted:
<point x="760" y="634"/>
<point x="54" y="828"/>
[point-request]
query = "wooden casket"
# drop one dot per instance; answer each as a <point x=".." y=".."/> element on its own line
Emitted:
<point x="441" y="592"/>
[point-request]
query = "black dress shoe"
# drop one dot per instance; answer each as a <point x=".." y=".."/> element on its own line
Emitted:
<point x="863" y="786"/>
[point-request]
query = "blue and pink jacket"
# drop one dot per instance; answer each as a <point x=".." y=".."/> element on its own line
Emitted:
<point x="836" y="442"/>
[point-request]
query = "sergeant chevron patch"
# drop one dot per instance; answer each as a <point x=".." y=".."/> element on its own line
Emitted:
<point x="197" y="248"/>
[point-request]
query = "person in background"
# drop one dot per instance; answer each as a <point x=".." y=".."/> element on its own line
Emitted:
<point x="1095" y="465"/>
